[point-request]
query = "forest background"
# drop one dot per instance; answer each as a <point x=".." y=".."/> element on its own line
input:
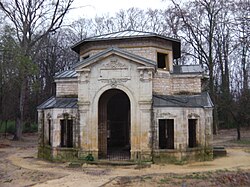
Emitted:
<point x="35" y="44"/>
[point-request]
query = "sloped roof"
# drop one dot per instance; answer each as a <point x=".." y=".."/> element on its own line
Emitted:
<point x="59" y="102"/>
<point x="202" y="100"/>
<point x="180" y="69"/>
<point x="129" y="34"/>
<point x="115" y="50"/>
<point x="187" y="69"/>
<point x="66" y="74"/>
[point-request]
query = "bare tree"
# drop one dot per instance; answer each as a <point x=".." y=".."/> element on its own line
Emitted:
<point x="32" y="20"/>
<point x="224" y="47"/>
<point x="242" y="21"/>
<point x="199" y="18"/>
<point x="80" y="29"/>
<point x="54" y="56"/>
<point x="241" y="12"/>
<point x="172" y="22"/>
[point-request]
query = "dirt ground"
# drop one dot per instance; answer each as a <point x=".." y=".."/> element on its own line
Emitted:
<point x="19" y="166"/>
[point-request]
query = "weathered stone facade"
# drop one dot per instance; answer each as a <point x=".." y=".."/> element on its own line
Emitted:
<point x="68" y="87"/>
<point x="126" y="98"/>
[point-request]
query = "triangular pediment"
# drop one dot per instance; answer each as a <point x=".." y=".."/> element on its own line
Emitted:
<point x="114" y="52"/>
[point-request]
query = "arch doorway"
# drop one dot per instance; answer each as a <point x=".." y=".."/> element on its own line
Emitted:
<point x="114" y="125"/>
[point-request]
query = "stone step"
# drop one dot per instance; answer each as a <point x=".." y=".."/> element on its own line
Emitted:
<point x="219" y="151"/>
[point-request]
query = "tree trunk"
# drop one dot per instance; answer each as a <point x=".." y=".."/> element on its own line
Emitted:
<point x="18" y="133"/>
<point x="238" y="131"/>
<point x="212" y="94"/>
<point x="20" y="116"/>
<point x="6" y="123"/>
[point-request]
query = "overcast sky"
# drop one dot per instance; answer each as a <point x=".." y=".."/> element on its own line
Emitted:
<point x="91" y="8"/>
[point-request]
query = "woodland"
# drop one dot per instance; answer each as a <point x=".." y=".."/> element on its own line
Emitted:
<point x="35" y="41"/>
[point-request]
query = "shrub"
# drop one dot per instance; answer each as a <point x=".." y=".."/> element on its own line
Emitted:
<point x="10" y="127"/>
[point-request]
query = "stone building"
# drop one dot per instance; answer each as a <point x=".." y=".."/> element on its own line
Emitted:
<point x="125" y="99"/>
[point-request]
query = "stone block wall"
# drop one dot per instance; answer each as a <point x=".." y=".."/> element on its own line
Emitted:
<point x="55" y="115"/>
<point x="66" y="88"/>
<point x="186" y="85"/>
<point x="146" y="52"/>
<point x="180" y="116"/>
<point x="162" y="83"/>
<point x="115" y="72"/>
<point x="144" y="48"/>
<point x="181" y="151"/>
<point x="165" y="83"/>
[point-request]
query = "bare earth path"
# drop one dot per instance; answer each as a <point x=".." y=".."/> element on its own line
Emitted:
<point x="20" y="167"/>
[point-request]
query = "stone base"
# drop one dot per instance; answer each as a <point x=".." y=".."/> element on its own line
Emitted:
<point x="57" y="154"/>
<point x="182" y="157"/>
<point x="219" y="151"/>
<point x="159" y="156"/>
<point x="144" y="156"/>
<point x="45" y="152"/>
<point x="84" y="155"/>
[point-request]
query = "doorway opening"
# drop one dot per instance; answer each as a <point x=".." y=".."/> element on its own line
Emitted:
<point x="66" y="133"/>
<point x="114" y="125"/>
<point x="166" y="134"/>
<point x="192" y="133"/>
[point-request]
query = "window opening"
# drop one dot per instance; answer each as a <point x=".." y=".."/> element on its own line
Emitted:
<point x="66" y="133"/>
<point x="162" y="61"/>
<point x="192" y="133"/>
<point x="49" y="126"/>
<point x="166" y="134"/>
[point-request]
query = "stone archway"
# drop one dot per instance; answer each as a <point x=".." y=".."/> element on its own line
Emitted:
<point x="114" y="123"/>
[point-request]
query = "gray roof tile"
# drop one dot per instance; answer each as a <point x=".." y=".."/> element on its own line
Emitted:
<point x="128" y="34"/>
<point x="59" y="102"/>
<point x="200" y="100"/>
<point x="187" y="69"/>
<point x="66" y="74"/>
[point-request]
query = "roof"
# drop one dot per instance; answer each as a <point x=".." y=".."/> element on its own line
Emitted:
<point x="117" y="51"/>
<point x="129" y="34"/>
<point x="202" y="100"/>
<point x="186" y="69"/>
<point x="126" y="34"/>
<point x="178" y="69"/>
<point x="59" y="102"/>
<point x="199" y="101"/>
<point x="66" y="74"/>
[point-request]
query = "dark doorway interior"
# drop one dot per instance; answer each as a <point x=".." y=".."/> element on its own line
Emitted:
<point x="192" y="133"/>
<point x="114" y="125"/>
<point x="166" y="134"/>
<point x="66" y="133"/>
<point x="49" y="127"/>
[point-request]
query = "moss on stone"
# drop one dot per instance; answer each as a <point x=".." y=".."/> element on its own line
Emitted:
<point x="44" y="152"/>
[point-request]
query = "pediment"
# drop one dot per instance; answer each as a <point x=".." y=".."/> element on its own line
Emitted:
<point x="113" y="54"/>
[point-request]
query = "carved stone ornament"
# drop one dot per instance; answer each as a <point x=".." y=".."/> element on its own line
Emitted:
<point x="65" y="115"/>
<point x="84" y="76"/>
<point x="165" y="115"/>
<point x="146" y="73"/>
<point x="113" y="83"/>
<point x="48" y="116"/>
<point x="193" y="116"/>
<point x="114" y="64"/>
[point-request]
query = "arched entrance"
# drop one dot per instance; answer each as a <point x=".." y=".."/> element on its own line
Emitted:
<point x="114" y="125"/>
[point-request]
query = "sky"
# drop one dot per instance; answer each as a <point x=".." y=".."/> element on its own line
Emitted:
<point x="91" y="8"/>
